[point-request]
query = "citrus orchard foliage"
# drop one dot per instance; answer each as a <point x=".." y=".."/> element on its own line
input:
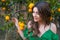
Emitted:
<point x="22" y="10"/>
<point x="9" y="7"/>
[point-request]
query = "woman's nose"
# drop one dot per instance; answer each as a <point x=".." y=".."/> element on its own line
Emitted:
<point x="34" y="14"/>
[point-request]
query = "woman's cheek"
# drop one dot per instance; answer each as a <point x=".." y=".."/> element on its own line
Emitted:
<point x="38" y="16"/>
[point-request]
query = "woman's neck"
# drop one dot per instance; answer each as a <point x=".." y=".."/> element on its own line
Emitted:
<point x="41" y="23"/>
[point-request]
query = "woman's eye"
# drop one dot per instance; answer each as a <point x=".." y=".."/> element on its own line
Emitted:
<point x="35" y="12"/>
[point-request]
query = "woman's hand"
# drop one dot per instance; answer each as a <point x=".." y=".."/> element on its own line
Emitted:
<point x="29" y="24"/>
<point x="15" y="20"/>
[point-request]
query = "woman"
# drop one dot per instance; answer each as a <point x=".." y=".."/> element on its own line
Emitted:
<point x="40" y="28"/>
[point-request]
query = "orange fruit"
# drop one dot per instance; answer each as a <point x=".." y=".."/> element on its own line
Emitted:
<point x="31" y="5"/>
<point x="21" y="25"/>
<point x="52" y="11"/>
<point x="58" y="9"/>
<point x="51" y="18"/>
<point x="3" y="8"/>
<point x="21" y="28"/>
<point x="7" y="17"/>
<point x="30" y="10"/>
<point x="3" y="0"/>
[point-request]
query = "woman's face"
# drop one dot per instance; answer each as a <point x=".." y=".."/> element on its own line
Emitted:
<point x="36" y="15"/>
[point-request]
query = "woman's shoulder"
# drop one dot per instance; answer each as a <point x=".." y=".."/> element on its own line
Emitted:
<point x="53" y="28"/>
<point x="53" y="24"/>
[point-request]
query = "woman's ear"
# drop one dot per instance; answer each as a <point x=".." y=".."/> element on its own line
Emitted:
<point x="29" y="24"/>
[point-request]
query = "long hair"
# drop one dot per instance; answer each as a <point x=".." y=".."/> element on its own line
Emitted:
<point x="44" y="12"/>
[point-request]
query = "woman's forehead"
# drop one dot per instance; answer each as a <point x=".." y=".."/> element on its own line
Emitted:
<point x="35" y="9"/>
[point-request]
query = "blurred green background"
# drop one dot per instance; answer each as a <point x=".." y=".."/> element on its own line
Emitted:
<point x="20" y="10"/>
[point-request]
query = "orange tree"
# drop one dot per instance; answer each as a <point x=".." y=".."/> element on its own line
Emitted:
<point x="22" y="9"/>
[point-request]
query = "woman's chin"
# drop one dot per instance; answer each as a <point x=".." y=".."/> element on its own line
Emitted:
<point x="35" y="21"/>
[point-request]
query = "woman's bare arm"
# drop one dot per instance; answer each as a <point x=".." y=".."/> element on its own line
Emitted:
<point x="15" y="20"/>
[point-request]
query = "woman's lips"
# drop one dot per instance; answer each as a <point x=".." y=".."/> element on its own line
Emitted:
<point x="35" y="18"/>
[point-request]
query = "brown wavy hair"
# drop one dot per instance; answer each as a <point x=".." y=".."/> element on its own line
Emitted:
<point x="44" y="12"/>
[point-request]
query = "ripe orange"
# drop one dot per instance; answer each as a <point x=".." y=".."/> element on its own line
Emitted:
<point x="3" y="0"/>
<point x="3" y="8"/>
<point x="58" y="9"/>
<point x="21" y="25"/>
<point x="31" y="5"/>
<point x="52" y="11"/>
<point x="51" y="18"/>
<point x="30" y="10"/>
<point x="7" y="18"/>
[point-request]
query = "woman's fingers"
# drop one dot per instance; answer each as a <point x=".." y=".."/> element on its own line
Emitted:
<point x="29" y="24"/>
<point x="15" y="20"/>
